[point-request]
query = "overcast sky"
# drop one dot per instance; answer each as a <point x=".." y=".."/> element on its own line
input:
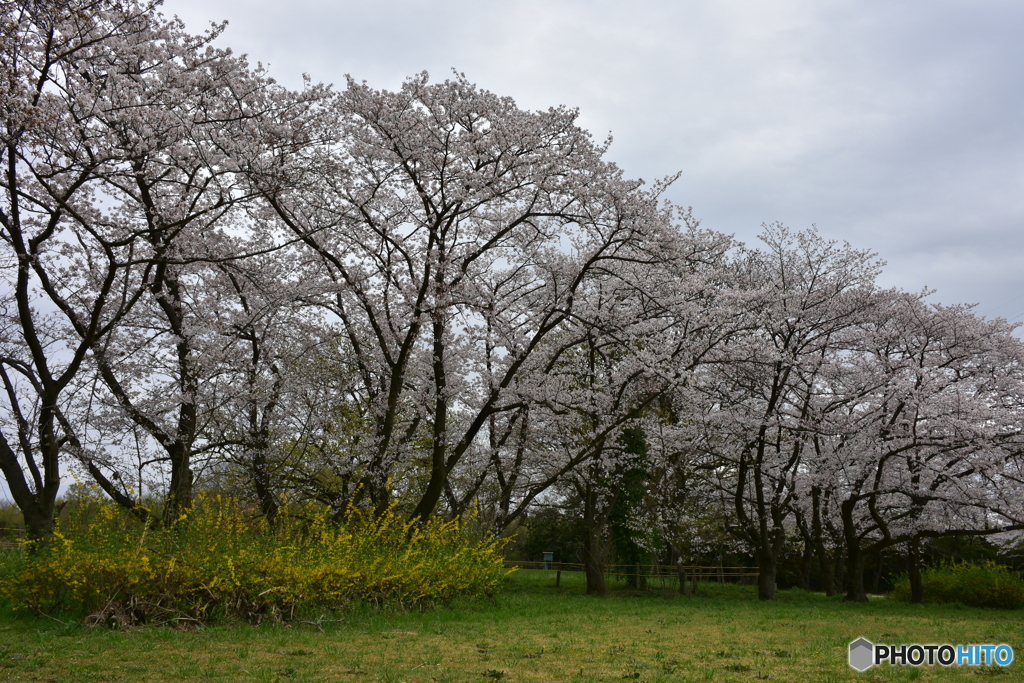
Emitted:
<point x="896" y="126"/>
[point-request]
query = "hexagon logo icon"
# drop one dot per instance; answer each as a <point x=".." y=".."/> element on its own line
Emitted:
<point x="862" y="654"/>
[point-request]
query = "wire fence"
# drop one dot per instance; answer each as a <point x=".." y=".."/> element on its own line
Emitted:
<point x="642" y="573"/>
<point x="7" y="538"/>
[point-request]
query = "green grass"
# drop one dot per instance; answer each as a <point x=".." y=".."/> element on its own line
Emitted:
<point x="530" y="632"/>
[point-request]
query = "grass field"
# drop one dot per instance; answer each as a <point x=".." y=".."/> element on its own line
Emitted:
<point x="531" y="631"/>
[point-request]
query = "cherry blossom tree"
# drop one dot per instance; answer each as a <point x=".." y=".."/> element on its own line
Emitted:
<point x="807" y="293"/>
<point x="928" y="440"/>
<point x="71" y="272"/>
<point x="277" y="399"/>
<point x="122" y="144"/>
<point x="458" y="236"/>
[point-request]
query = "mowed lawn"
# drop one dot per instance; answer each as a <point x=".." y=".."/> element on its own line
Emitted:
<point x="531" y="631"/>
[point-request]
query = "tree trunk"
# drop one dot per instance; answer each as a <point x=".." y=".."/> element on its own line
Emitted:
<point x="876" y="572"/>
<point x="855" y="575"/>
<point x="914" y="571"/>
<point x="807" y="558"/>
<point x="772" y="541"/>
<point x="825" y="559"/>
<point x="838" y="571"/>
<point x="259" y="436"/>
<point x="179" y="497"/>
<point x="854" y="556"/>
<point x="766" y="566"/>
<point x="679" y="560"/>
<point x="806" y="562"/>
<point x="39" y="522"/>
<point x="828" y="574"/>
<point x="262" y="483"/>
<point x="827" y="562"/>
<point x="683" y="588"/>
<point x="594" y="546"/>
<point x="37" y="506"/>
<point x="593" y="564"/>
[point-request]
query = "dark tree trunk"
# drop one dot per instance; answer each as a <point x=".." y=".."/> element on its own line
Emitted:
<point x="683" y="588"/>
<point x="680" y="562"/>
<point x="914" y="571"/>
<point x="876" y="572"/>
<point x="807" y="561"/>
<point x="179" y="497"/>
<point x="807" y="558"/>
<point x="37" y="501"/>
<point x="827" y="561"/>
<point x="772" y="540"/>
<point x="39" y="521"/>
<point x="595" y="551"/>
<point x="766" y="567"/>
<point x="828" y="574"/>
<point x="854" y="556"/>
<point x="262" y="483"/>
<point x="838" y="570"/>
<point x="594" y="564"/>
<point x="855" y="574"/>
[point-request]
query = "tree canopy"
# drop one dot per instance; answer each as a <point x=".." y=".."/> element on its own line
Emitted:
<point x="434" y="301"/>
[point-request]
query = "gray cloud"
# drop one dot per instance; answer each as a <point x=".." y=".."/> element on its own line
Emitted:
<point x="895" y="126"/>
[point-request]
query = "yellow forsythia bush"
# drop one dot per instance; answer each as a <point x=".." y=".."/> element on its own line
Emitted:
<point x="223" y="560"/>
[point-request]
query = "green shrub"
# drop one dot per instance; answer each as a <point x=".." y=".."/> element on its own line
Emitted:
<point x="976" y="585"/>
<point x="12" y="523"/>
<point x="223" y="560"/>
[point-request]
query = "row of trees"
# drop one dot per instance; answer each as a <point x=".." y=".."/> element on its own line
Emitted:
<point x="432" y="299"/>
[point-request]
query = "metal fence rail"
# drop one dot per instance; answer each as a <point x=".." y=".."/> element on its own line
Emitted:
<point x="7" y="542"/>
<point x="660" y="571"/>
